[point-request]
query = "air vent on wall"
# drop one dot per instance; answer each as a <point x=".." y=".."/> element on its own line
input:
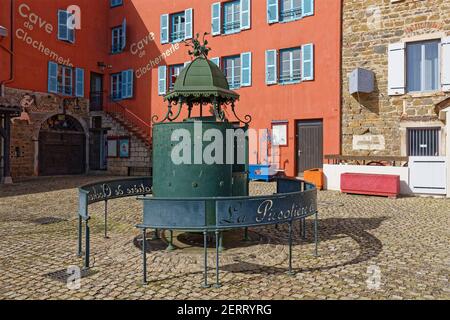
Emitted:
<point x="361" y="81"/>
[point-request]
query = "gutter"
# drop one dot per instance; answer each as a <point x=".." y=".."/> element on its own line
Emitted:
<point x="11" y="52"/>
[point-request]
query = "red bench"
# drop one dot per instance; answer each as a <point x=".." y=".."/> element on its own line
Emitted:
<point x="371" y="184"/>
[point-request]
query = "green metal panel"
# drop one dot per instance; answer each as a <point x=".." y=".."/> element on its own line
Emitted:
<point x="240" y="184"/>
<point x="188" y="180"/>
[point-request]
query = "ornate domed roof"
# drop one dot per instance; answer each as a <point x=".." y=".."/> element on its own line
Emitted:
<point x="201" y="79"/>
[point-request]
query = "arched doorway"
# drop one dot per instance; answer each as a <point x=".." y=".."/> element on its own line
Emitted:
<point x="62" y="146"/>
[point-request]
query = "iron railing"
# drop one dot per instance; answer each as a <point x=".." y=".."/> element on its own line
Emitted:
<point x="229" y="27"/>
<point x="291" y="14"/>
<point x="234" y="84"/>
<point x="423" y="142"/>
<point x="177" y="36"/>
<point x="290" y="79"/>
<point x="118" y="109"/>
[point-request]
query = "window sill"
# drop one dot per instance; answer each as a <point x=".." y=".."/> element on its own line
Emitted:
<point x="67" y="42"/>
<point x="175" y="41"/>
<point x="65" y="95"/>
<point x="291" y="20"/>
<point x="224" y="34"/>
<point x="227" y="33"/>
<point x="424" y="94"/>
<point x="116" y="53"/>
<point x="286" y="83"/>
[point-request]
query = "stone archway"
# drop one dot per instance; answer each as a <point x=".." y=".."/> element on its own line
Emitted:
<point x="61" y="146"/>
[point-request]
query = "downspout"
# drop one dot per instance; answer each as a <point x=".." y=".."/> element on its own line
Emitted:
<point x="11" y="52"/>
<point x="447" y="142"/>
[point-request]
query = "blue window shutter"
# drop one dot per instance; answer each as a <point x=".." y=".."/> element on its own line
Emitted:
<point x="52" y="77"/>
<point x="245" y="14"/>
<point x="246" y="69"/>
<point x="216" y="18"/>
<point x="164" y="28"/>
<point x="79" y="82"/>
<point x="272" y="11"/>
<point x="63" y="33"/>
<point x="308" y="62"/>
<point x="127" y="83"/>
<point x="189" y="22"/>
<point x="124" y="34"/>
<point x="271" y="66"/>
<point x="130" y="83"/>
<point x="216" y="61"/>
<point x="70" y="30"/>
<point x="162" y="80"/>
<point x="123" y="84"/>
<point x="307" y="8"/>
<point x="115" y="3"/>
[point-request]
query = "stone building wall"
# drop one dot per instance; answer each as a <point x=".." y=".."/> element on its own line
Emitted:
<point x="140" y="153"/>
<point x="375" y="124"/>
<point x="36" y="108"/>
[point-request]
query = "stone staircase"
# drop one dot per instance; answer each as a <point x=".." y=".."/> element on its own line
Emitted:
<point x="139" y="163"/>
<point x="137" y="132"/>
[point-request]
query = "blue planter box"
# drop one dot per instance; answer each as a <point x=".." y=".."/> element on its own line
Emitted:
<point x="261" y="172"/>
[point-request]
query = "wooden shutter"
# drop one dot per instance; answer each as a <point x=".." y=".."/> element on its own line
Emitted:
<point x="396" y="69"/>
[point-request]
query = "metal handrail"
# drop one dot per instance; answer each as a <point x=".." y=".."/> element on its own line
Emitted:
<point x="117" y="108"/>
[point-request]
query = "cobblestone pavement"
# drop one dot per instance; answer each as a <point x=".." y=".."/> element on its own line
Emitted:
<point x="371" y="248"/>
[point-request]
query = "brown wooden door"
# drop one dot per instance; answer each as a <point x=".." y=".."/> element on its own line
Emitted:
<point x="309" y="145"/>
<point x="61" y="153"/>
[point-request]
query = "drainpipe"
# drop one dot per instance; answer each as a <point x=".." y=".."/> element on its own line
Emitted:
<point x="11" y="52"/>
<point x="444" y="115"/>
<point x="447" y="142"/>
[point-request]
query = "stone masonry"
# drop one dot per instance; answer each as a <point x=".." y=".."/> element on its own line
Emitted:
<point x="140" y="154"/>
<point x="369" y="26"/>
<point x="36" y="108"/>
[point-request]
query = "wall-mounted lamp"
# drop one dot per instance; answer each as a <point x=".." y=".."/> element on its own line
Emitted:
<point x="103" y="65"/>
<point x="3" y="32"/>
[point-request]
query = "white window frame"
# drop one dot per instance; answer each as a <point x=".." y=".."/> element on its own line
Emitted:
<point x="291" y="66"/>
<point x="291" y="8"/>
<point x="181" y="26"/>
<point x="170" y="69"/>
<point x="423" y="66"/>
<point x="118" y="86"/>
<point x="233" y="67"/>
<point x="232" y="4"/>
<point x="117" y="33"/>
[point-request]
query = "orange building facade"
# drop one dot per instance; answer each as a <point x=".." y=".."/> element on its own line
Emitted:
<point x="281" y="56"/>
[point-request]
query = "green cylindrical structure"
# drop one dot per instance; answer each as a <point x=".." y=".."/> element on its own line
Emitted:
<point x="183" y="141"/>
<point x="198" y="156"/>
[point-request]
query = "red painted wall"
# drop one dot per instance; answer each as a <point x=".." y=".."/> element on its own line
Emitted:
<point x="30" y="65"/>
<point x="318" y="99"/>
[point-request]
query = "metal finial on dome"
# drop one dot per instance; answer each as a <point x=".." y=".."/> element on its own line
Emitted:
<point x="199" y="49"/>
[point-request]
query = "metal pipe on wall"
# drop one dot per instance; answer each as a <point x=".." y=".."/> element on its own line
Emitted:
<point x="11" y="52"/>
